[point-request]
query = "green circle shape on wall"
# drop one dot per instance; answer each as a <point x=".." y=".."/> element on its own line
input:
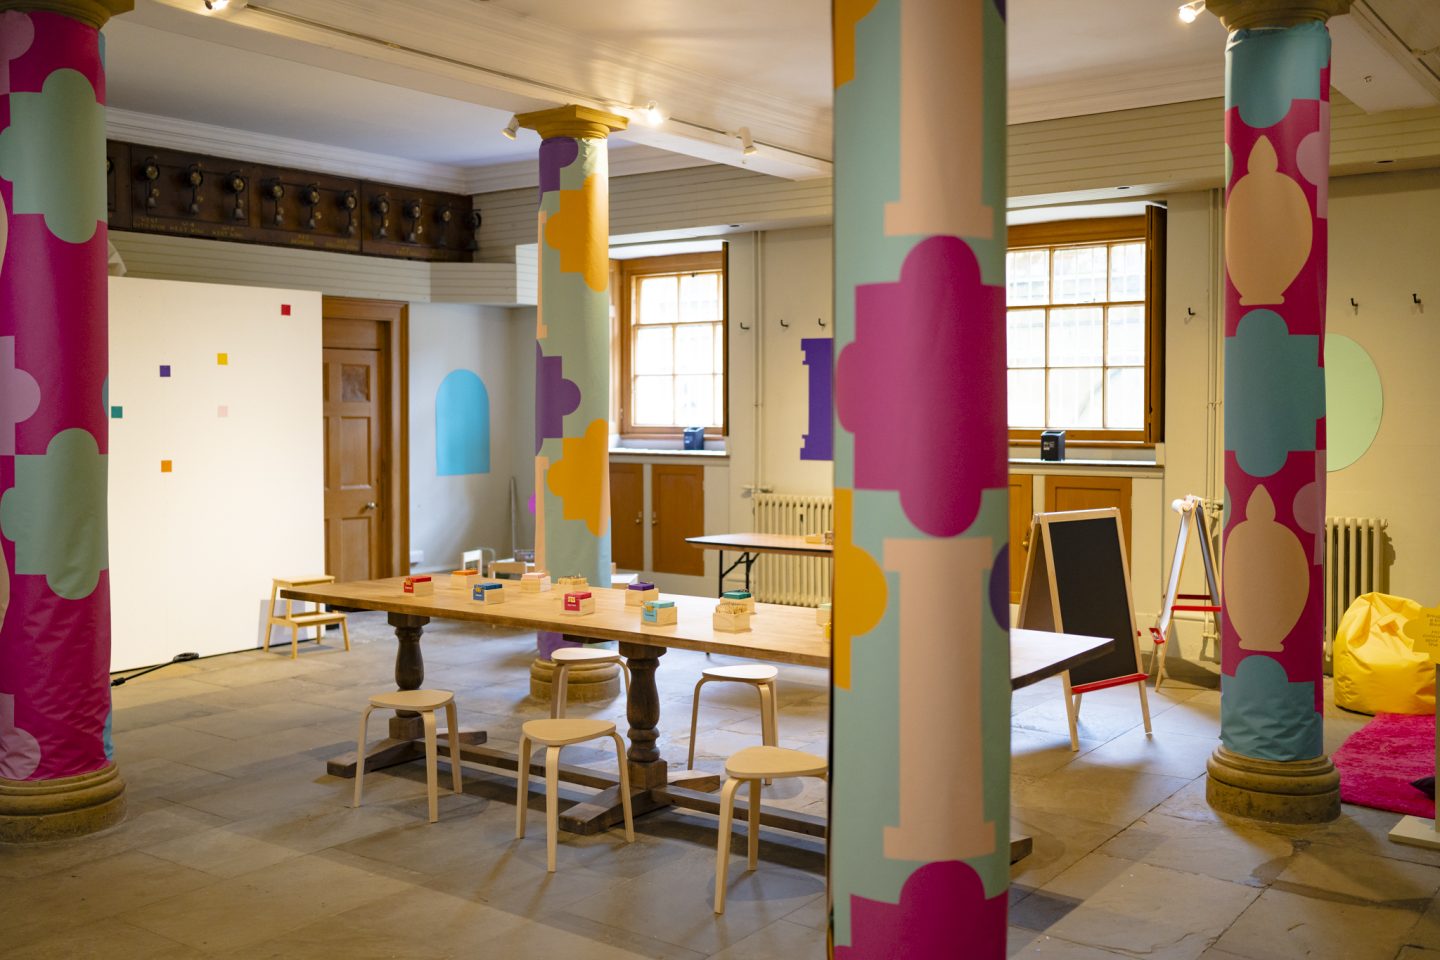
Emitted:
<point x="1354" y="401"/>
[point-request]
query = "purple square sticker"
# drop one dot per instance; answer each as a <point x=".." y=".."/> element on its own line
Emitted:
<point x="164" y="369"/>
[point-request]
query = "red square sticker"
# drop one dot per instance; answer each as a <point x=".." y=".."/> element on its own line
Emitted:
<point x="284" y="309"/>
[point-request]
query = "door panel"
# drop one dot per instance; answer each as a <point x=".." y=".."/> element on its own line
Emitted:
<point x="1022" y="507"/>
<point x="677" y="499"/>
<point x="1090" y="493"/>
<point x="354" y="490"/>
<point x="627" y="515"/>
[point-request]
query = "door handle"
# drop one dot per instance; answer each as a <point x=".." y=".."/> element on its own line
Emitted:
<point x="370" y="505"/>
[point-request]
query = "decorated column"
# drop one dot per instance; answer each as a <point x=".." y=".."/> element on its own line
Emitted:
<point x="57" y="775"/>
<point x="572" y="367"/>
<point x="920" y="745"/>
<point x="1271" y="763"/>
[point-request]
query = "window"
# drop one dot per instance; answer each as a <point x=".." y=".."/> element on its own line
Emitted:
<point x="672" y="344"/>
<point x="1084" y="328"/>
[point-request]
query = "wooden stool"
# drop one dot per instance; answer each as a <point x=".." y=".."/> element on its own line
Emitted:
<point x="759" y="675"/>
<point x="296" y="621"/>
<point x="566" y="657"/>
<point x="752" y="765"/>
<point x="424" y="702"/>
<point x="554" y="734"/>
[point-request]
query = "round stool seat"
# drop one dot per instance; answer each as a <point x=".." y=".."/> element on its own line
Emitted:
<point x="756" y="763"/>
<point x="562" y="732"/>
<point x="583" y="655"/>
<point x="743" y="672"/>
<point x="412" y="699"/>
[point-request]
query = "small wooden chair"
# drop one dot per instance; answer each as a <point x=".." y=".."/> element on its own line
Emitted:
<point x="554" y="734"/>
<point x="424" y="702"/>
<point x="566" y="657"/>
<point x="752" y="765"/>
<point x="317" y="618"/>
<point x="761" y="676"/>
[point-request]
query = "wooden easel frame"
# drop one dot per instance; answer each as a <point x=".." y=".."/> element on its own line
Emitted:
<point x="1040" y="609"/>
<point x="1192" y="517"/>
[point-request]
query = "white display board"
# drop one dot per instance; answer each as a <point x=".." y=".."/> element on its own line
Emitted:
<point x="216" y="463"/>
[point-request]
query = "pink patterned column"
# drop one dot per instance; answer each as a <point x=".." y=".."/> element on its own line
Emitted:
<point x="1271" y="763"/>
<point x="57" y="777"/>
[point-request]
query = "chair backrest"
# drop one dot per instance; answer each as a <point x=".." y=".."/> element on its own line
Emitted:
<point x="477" y="557"/>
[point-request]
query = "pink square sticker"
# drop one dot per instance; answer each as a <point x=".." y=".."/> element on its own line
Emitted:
<point x="222" y="411"/>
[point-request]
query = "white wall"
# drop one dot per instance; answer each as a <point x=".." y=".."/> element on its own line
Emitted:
<point x="451" y="514"/>
<point x="193" y="551"/>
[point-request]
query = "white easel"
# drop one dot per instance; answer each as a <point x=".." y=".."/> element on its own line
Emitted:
<point x="1192" y="516"/>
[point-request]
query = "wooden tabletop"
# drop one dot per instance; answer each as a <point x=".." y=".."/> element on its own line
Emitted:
<point x="762" y="543"/>
<point x="779" y="634"/>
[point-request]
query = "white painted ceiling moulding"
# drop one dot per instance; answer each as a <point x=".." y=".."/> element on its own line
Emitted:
<point x="1374" y="69"/>
<point x="153" y="131"/>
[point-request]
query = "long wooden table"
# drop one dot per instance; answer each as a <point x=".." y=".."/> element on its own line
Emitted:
<point x="751" y="545"/>
<point x="780" y="634"/>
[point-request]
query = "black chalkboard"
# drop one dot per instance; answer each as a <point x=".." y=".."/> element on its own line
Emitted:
<point x="1092" y="587"/>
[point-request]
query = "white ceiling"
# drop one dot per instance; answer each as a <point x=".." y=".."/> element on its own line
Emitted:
<point x="431" y="82"/>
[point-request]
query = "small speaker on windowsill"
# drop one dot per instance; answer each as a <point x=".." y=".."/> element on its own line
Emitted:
<point x="1052" y="445"/>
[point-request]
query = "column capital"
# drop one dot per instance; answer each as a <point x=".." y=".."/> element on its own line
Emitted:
<point x="572" y="120"/>
<point x="1244" y="14"/>
<point x="94" y="12"/>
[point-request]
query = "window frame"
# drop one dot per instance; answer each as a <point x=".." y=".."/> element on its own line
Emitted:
<point x="628" y="273"/>
<point x="1150" y="228"/>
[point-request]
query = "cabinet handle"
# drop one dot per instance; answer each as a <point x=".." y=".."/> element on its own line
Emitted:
<point x="638" y="517"/>
<point x="654" y="518"/>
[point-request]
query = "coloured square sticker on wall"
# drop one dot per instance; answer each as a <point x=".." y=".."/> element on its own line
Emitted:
<point x="165" y="466"/>
<point x="223" y="359"/>
<point x="222" y="411"/>
<point x="164" y="369"/>
<point x="117" y="413"/>
<point x="284" y="309"/>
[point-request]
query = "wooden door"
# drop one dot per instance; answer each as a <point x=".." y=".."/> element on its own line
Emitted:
<point x="366" y="495"/>
<point x="677" y="502"/>
<point x="627" y="515"/>
<point x="1065" y="492"/>
<point x="1022" y="508"/>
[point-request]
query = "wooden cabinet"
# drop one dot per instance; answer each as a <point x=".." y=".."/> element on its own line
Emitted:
<point x="677" y="501"/>
<point x="1022" y="508"/>
<point x="1065" y="492"/>
<point x="627" y="515"/>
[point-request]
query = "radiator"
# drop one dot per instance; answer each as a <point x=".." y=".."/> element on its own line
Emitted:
<point x="800" y="581"/>
<point x="1355" y="563"/>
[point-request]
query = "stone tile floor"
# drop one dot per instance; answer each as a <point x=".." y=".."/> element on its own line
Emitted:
<point x="238" y="845"/>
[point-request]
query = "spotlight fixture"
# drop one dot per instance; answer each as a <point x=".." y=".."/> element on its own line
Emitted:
<point x="511" y="128"/>
<point x="747" y="145"/>
<point x="651" y="114"/>
<point x="214" y="5"/>
<point x="1190" y="12"/>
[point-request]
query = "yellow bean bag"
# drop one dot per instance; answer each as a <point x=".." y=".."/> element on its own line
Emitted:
<point x="1377" y="669"/>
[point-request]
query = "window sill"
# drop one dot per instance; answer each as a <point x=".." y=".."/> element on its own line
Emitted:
<point x="1124" y="468"/>
<point x="622" y="453"/>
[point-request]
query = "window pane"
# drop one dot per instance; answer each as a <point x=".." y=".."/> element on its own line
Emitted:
<point x="1076" y="336"/>
<point x="1079" y="275"/>
<point x="654" y="352"/>
<point x="1126" y="341"/>
<point x="695" y="349"/>
<point x="1125" y="398"/>
<point x="699" y="297"/>
<point x="657" y="299"/>
<point x="1027" y="398"/>
<point x="1025" y="338"/>
<point x="719" y="401"/>
<point x="1075" y="399"/>
<point x="1027" y="277"/>
<point x="654" y="401"/>
<point x="694" y="401"/>
<point x="1127" y="271"/>
<point x="719" y="348"/>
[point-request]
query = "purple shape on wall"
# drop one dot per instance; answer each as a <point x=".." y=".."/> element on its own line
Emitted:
<point x="164" y="369"/>
<point x="922" y="387"/>
<point x="554" y="396"/>
<point x="942" y="912"/>
<point x="556" y="154"/>
<point x="819" y="441"/>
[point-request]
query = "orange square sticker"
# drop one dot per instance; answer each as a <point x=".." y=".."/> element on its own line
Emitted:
<point x="165" y="466"/>
<point x="223" y="359"/>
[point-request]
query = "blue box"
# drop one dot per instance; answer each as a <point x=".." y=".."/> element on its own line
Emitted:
<point x="694" y="438"/>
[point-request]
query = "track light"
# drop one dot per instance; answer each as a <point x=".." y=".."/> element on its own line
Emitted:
<point x="747" y="145"/>
<point x="1190" y="12"/>
<point x="511" y="128"/>
<point x="216" y="5"/>
<point x="650" y="114"/>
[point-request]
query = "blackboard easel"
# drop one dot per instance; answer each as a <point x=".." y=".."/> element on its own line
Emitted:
<point x="1077" y="581"/>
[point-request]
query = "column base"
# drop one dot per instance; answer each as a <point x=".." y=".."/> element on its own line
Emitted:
<point x="1299" y="791"/>
<point x="587" y="682"/>
<point x="32" y="811"/>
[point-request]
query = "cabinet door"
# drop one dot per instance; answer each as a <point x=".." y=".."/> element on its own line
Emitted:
<point x="627" y="515"/>
<point x="677" y="501"/>
<point x="1064" y="492"/>
<point x="1022" y="508"/>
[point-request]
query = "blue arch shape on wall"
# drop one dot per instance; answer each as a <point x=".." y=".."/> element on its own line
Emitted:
<point x="462" y="425"/>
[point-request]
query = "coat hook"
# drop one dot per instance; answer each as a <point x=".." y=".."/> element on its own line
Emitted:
<point x="1354" y="306"/>
<point x="1415" y="297"/>
<point x="821" y="321"/>
<point x="784" y="324"/>
<point x="743" y="327"/>
<point x="1190" y="312"/>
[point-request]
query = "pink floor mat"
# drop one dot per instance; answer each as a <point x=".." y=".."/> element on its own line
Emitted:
<point x="1379" y="761"/>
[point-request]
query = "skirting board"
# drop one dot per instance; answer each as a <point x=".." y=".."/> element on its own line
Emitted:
<point x="1417" y="832"/>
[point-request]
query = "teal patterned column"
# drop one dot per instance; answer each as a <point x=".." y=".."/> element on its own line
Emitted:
<point x="1271" y="762"/>
<point x="920" y="746"/>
